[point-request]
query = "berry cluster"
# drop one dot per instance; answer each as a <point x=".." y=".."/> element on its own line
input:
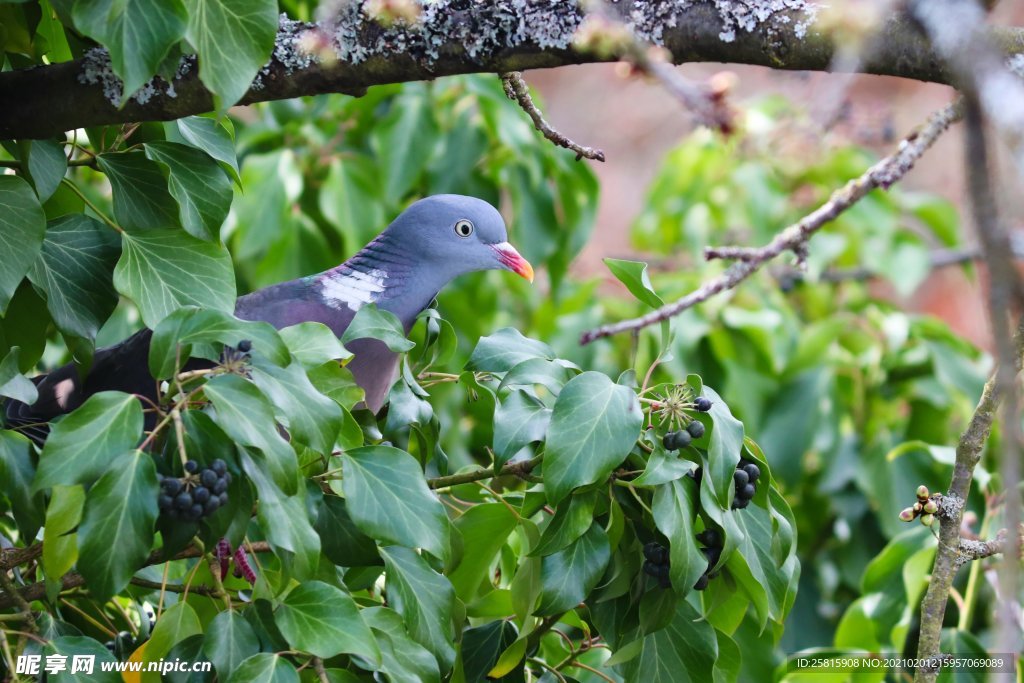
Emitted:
<point x="745" y="478"/>
<point x="198" y="494"/>
<point x="925" y="508"/>
<point x="656" y="563"/>
<point x="673" y="441"/>
<point x="712" y="542"/>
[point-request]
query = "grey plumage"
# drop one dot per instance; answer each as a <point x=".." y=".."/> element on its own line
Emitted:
<point x="400" y="271"/>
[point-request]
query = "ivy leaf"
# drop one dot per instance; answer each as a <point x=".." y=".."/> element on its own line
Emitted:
<point x="174" y="336"/>
<point x="46" y="165"/>
<point x="320" y="619"/>
<point x="568" y="576"/>
<point x="138" y="34"/>
<point x="519" y="420"/>
<point x="332" y="380"/>
<point x="121" y="505"/>
<point x="13" y="384"/>
<point x="22" y="225"/>
<point x="313" y="419"/>
<point x="572" y="519"/>
<point x="347" y="199"/>
<point x="284" y="519"/>
<point x="60" y="542"/>
<point x="177" y="623"/>
<point x="16" y="473"/>
<point x="389" y="500"/>
<point x="163" y="270"/>
<point x="725" y="445"/>
<point x="633" y="274"/>
<point x="402" y="658"/>
<point x="213" y="138"/>
<point x="141" y="199"/>
<point x="425" y="599"/>
<point x="313" y="344"/>
<point x="234" y="39"/>
<point x="674" y="508"/>
<point x="684" y="651"/>
<point x="264" y="667"/>
<point x="484" y="529"/>
<point x="229" y="640"/>
<point x="70" y="646"/>
<point x="594" y="425"/>
<point x="196" y="180"/>
<point x="481" y="647"/>
<point x="74" y="272"/>
<point x="506" y="348"/>
<point x="372" y="322"/>
<point x="245" y="415"/>
<point x="82" y="445"/>
<point x="342" y="541"/>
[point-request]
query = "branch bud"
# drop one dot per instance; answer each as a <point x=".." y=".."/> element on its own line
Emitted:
<point x="908" y="515"/>
<point x="922" y="492"/>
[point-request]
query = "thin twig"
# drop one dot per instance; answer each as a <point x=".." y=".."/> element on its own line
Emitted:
<point x="794" y="238"/>
<point x="519" y="469"/>
<point x="21" y="602"/>
<point x="517" y="90"/>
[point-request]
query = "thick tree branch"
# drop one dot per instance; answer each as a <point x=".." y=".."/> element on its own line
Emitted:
<point x="883" y="174"/>
<point x="48" y="100"/>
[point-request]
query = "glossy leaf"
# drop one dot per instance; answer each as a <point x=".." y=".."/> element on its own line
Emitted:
<point x="506" y="348"/>
<point x="196" y="181"/>
<point x="312" y="344"/>
<point x="424" y="598"/>
<point x="568" y="576"/>
<point x="322" y="620"/>
<point x="519" y="420"/>
<point x="22" y="224"/>
<point x="675" y="510"/>
<point x="265" y="667"/>
<point x="141" y="199"/>
<point x="229" y="641"/>
<point x="372" y="322"/>
<point x="16" y="472"/>
<point x="313" y="419"/>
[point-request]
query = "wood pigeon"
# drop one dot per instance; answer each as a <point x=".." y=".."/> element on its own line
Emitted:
<point x="431" y="243"/>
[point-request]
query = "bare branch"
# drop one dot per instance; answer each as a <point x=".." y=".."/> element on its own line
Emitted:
<point x="971" y="549"/>
<point x="881" y="175"/>
<point x="516" y="89"/>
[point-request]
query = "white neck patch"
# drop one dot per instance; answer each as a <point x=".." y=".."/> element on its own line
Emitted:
<point x="352" y="289"/>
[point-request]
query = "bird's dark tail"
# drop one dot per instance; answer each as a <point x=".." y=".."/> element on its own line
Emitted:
<point x="21" y="417"/>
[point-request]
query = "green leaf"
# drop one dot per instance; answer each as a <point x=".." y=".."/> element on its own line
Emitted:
<point x="177" y="623"/>
<point x="234" y="39"/>
<point x="633" y="274"/>
<point x="264" y="668"/>
<point x="342" y="541"/>
<point x="22" y="225"/>
<point x="506" y="348"/>
<point x="122" y="506"/>
<point x="519" y="420"/>
<point x="46" y="165"/>
<point x="138" y="34"/>
<point x="481" y="647"/>
<point x="163" y="270"/>
<point x="331" y="379"/>
<point x="174" y="336"/>
<point x="348" y="199"/>
<point x="313" y="419"/>
<point x="404" y="141"/>
<point x="196" y="180"/>
<point x="82" y="445"/>
<point x="568" y="576"/>
<point x="16" y="473"/>
<point x="594" y="425"/>
<point x="572" y="519"/>
<point x="312" y="344"/>
<point x="13" y="384"/>
<point x="484" y="528"/>
<point x="389" y="500"/>
<point x="211" y="137"/>
<point x="685" y="651"/>
<point x="284" y="519"/>
<point x="60" y="542"/>
<point x="724" y="447"/>
<point x="372" y="322"/>
<point x="675" y="509"/>
<point x="246" y="416"/>
<point x="322" y="620"/>
<point x="74" y="272"/>
<point x="141" y="199"/>
<point x="402" y="657"/>
<point x="229" y="640"/>
<point x="425" y="599"/>
<point x="70" y="646"/>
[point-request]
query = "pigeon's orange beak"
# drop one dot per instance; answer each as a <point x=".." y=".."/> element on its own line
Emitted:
<point x="511" y="259"/>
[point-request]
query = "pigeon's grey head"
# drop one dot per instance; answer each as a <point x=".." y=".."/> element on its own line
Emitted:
<point x="456" y="234"/>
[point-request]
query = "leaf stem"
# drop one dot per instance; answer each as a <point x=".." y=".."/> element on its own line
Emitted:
<point x="95" y="209"/>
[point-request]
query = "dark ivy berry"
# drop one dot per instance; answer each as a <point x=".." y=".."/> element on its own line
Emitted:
<point x="211" y="506"/>
<point x="195" y="512"/>
<point x="740" y="503"/>
<point x="712" y="554"/>
<point x="652" y="551"/>
<point x="245" y="346"/>
<point x="191" y="466"/>
<point x="171" y="486"/>
<point x="741" y="478"/>
<point x="747" y="492"/>
<point x="208" y="478"/>
<point x="696" y="429"/>
<point x="219" y="466"/>
<point x="650" y="568"/>
<point x="220" y="487"/>
<point x="702" y="583"/>
<point x="201" y="495"/>
<point x="696" y="473"/>
<point x="664" y="582"/>
<point x="183" y="501"/>
<point x="165" y="502"/>
<point x="710" y="538"/>
<point x="702" y="404"/>
<point x="753" y="471"/>
<point x="223" y="498"/>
